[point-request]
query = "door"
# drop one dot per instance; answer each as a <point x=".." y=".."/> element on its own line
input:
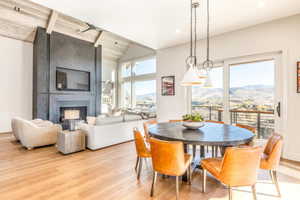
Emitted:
<point x="252" y="93"/>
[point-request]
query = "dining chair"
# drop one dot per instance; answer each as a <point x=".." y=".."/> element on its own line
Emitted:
<point x="250" y="128"/>
<point x="238" y="167"/>
<point x="142" y="151"/>
<point x="214" y="149"/>
<point x="146" y="125"/>
<point x="175" y="120"/>
<point x="194" y="147"/>
<point x="271" y="157"/>
<point x="168" y="158"/>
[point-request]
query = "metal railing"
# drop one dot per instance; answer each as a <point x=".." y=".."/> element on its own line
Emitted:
<point x="263" y="121"/>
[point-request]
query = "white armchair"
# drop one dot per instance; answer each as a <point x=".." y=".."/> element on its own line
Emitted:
<point x="16" y="127"/>
<point x="38" y="134"/>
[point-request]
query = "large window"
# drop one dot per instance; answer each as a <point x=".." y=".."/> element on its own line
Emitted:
<point x="243" y="92"/>
<point x="138" y="85"/>
<point x="209" y="101"/>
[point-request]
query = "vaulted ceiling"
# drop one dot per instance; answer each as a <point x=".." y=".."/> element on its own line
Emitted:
<point x="164" y="23"/>
<point x="20" y="18"/>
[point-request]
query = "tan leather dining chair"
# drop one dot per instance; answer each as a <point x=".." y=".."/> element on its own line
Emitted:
<point x="214" y="149"/>
<point x="271" y="158"/>
<point x="175" y="120"/>
<point x="213" y="121"/>
<point x="250" y="128"/>
<point x="141" y="150"/>
<point x="168" y="158"/>
<point x="146" y="125"/>
<point x="238" y="167"/>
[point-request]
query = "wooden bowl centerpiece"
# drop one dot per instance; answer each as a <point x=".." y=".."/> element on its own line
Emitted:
<point x="192" y="121"/>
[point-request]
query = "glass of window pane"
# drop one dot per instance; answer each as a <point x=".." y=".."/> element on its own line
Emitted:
<point x="145" y="96"/>
<point x="126" y="70"/>
<point x="145" y="67"/>
<point x="252" y="95"/>
<point x="209" y="101"/>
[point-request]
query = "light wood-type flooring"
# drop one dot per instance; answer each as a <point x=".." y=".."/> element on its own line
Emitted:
<point x="108" y="174"/>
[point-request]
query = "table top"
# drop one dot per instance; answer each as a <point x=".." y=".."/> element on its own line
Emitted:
<point x="209" y="134"/>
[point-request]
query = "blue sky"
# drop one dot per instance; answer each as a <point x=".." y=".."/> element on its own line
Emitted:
<point x="259" y="73"/>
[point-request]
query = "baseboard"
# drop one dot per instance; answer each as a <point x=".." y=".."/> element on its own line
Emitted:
<point x="110" y="145"/>
<point x="5" y="133"/>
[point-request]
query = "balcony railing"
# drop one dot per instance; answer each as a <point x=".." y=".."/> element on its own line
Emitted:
<point x="262" y="120"/>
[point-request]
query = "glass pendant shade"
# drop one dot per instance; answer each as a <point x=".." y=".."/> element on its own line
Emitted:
<point x="202" y="73"/>
<point x="191" y="77"/>
<point x="208" y="83"/>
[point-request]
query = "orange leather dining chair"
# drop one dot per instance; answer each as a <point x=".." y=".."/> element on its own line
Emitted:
<point x="141" y="150"/>
<point x="175" y="120"/>
<point x="146" y="125"/>
<point x="271" y="158"/>
<point x="214" y="149"/>
<point x="250" y="128"/>
<point x="213" y="121"/>
<point x="168" y="158"/>
<point x="238" y="167"/>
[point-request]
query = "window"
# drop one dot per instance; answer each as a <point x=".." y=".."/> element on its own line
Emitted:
<point x="209" y="101"/>
<point x="108" y="96"/>
<point x="138" y="85"/>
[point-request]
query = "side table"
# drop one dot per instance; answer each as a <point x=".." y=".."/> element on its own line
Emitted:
<point x="70" y="141"/>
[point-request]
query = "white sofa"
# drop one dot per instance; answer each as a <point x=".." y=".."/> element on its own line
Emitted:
<point x="102" y="134"/>
<point x="35" y="133"/>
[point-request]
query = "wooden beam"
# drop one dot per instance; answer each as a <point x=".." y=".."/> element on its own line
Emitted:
<point x="99" y="39"/>
<point x="51" y="22"/>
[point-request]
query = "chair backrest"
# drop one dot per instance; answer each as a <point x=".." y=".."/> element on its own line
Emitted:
<point x="212" y="121"/>
<point x="16" y="127"/>
<point x="240" y="166"/>
<point x="273" y="150"/>
<point x="146" y="125"/>
<point x="250" y="128"/>
<point x="167" y="157"/>
<point x="140" y="146"/>
<point x="175" y="120"/>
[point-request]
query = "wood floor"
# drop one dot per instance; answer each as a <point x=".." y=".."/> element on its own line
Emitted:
<point x="108" y="174"/>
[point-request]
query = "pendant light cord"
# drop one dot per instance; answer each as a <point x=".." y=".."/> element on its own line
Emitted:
<point x="207" y="45"/>
<point x="195" y="34"/>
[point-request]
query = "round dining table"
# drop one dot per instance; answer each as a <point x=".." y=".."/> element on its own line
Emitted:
<point x="211" y="134"/>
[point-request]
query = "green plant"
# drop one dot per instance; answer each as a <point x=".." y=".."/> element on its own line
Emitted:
<point x="193" y="117"/>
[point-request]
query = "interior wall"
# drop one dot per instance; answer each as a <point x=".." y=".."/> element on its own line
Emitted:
<point x="280" y="35"/>
<point x="15" y="81"/>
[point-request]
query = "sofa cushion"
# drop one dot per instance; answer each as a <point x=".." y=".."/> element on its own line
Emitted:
<point x="132" y="117"/>
<point x="109" y="120"/>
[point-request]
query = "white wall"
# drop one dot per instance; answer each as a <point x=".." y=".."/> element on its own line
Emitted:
<point x="280" y="35"/>
<point x="15" y="81"/>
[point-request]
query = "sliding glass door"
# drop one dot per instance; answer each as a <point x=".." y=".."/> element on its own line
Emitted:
<point x="244" y="92"/>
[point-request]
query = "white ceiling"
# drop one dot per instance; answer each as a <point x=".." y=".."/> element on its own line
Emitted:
<point x="164" y="23"/>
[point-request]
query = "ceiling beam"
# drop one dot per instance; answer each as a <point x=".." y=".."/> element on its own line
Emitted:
<point x="51" y="22"/>
<point x="99" y="39"/>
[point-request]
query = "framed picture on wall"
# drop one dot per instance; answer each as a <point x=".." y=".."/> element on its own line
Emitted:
<point x="298" y="77"/>
<point x="168" y="85"/>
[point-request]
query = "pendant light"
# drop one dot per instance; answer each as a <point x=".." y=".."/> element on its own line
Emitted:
<point x="208" y="64"/>
<point x="191" y="75"/>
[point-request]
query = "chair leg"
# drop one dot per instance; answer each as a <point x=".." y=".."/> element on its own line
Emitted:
<point x="254" y="192"/>
<point x="190" y="174"/>
<point x="204" y="180"/>
<point x="153" y="183"/>
<point x="194" y="151"/>
<point x="137" y="163"/>
<point x="230" y="193"/>
<point x="177" y="187"/>
<point x="275" y="180"/>
<point x="140" y="168"/>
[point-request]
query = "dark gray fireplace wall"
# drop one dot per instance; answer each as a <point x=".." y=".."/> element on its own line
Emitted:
<point x="58" y="50"/>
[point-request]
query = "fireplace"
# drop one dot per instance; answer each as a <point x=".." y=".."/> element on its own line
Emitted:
<point x="72" y="113"/>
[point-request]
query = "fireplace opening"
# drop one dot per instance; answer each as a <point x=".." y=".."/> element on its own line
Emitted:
<point x="72" y="113"/>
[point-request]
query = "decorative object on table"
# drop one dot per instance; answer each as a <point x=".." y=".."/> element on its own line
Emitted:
<point x="72" y="116"/>
<point x="70" y="141"/>
<point x="168" y="85"/>
<point x="192" y="121"/>
<point x="298" y="77"/>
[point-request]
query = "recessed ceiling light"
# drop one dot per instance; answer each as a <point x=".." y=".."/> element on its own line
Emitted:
<point x="177" y="31"/>
<point x="261" y="4"/>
